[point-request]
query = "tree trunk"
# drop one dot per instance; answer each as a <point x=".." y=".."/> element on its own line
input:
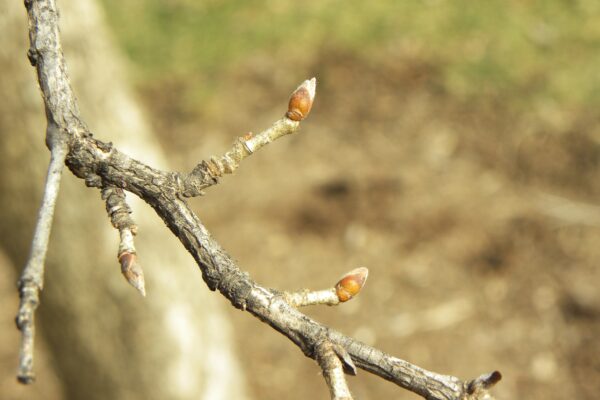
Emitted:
<point x="105" y="341"/>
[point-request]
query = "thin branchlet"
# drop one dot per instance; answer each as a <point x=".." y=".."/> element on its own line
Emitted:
<point x="119" y="213"/>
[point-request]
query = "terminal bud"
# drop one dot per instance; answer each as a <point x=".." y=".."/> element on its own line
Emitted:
<point x="351" y="284"/>
<point x="301" y="100"/>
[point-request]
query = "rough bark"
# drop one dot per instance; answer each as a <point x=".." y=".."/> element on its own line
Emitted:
<point x="106" y="341"/>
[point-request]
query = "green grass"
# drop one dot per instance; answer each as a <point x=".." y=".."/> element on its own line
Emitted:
<point x="522" y="50"/>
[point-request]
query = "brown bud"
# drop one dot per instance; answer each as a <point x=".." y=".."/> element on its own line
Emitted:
<point x="132" y="271"/>
<point x="301" y="100"/>
<point x="351" y="284"/>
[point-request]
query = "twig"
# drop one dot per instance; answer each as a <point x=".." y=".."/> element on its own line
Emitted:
<point x="120" y="216"/>
<point x="207" y="173"/>
<point x="32" y="279"/>
<point x="333" y="371"/>
<point x="101" y="164"/>
<point x="345" y="289"/>
<point x="308" y="297"/>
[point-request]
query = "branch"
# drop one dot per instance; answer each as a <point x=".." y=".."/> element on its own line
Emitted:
<point x="60" y="108"/>
<point x="207" y="173"/>
<point x="346" y="288"/>
<point x="32" y="279"/>
<point x="120" y="216"/>
<point x="161" y="190"/>
<point x="333" y="371"/>
<point x="102" y="165"/>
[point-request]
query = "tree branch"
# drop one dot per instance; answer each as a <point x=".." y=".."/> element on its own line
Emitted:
<point x="333" y="371"/>
<point x="57" y="112"/>
<point x="120" y="217"/>
<point x="102" y="165"/>
<point x="207" y="173"/>
<point x="344" y="290"/>
<point x="32" y="278"/>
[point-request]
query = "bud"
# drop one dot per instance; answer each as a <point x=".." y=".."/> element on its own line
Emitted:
<point x="351" y="284"/>
<point x="301" y="100"/>
<point x="132" y="271"/>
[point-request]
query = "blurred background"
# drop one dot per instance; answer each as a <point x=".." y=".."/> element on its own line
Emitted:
<point x="453" y="149"/>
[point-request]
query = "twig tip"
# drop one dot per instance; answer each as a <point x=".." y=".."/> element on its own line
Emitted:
<point x="132" y="271"/>
<point x="483" y="382"/>
<point x="301" y="100"/>
<point x="351" y="284"/>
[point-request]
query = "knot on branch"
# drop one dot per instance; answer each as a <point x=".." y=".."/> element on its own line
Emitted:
<point x="117" y="208"/>
<point x="235" y="286"/>
<point x="32" y="56"/>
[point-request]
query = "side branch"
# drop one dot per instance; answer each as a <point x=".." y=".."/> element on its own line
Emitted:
<point x="120" y="217"/>
<point x="345" y="289"/>
<point x="333" y="371"/>
<point x="32" y="279"/>
<point x="207" y="173"/>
